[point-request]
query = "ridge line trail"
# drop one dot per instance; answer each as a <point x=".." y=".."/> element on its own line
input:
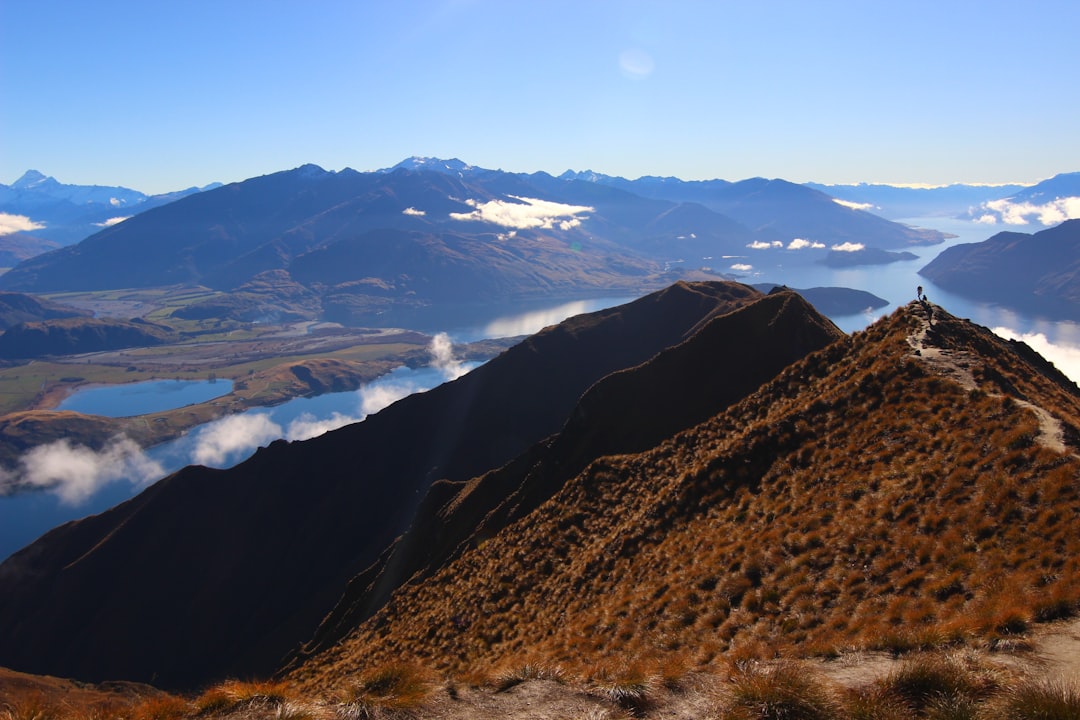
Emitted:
<point x="957" y="365"/>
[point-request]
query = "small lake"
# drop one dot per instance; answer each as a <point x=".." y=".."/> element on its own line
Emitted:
<point x="142" y="398"/>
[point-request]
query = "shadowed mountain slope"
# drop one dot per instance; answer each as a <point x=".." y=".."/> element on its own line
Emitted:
<point x="627" y="411"/>
<point x="217" y="572"/>
<point x="906" y="486"/>
<point x="73" y="335"/>
<point x="17" y="308"/>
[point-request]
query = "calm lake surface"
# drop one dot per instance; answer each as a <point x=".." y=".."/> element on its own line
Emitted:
<point x="142" y="398"/>
<point x="227" y="442"/>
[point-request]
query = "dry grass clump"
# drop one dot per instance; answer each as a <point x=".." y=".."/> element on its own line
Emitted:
<point x="29" y="706"/>
<point x="528" y="671"/>
<point x="782" y="691"/>
<point x="389" y="688"/>
<point x="162" y="707"/>
<point x="1037" y="700"/>
<point x="940" y="681"/>
<point x="630" y="686"/>
<point x="233" y="695"/>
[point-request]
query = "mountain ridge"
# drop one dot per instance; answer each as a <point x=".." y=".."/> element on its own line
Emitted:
<point x="781" y="525"/>
<point x="353" y="489"/>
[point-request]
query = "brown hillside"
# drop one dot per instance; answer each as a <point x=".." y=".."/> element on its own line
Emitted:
<point x="631" y="410"/>
<point x="210" y="573"/>
<point x="907" y="486"/>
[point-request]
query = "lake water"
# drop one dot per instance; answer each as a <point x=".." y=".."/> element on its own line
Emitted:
<point x="228" y="441"/>
<point x="142" y="398"/>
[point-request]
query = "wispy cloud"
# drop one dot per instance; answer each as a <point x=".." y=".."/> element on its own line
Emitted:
<point x="308" y="426"/>
<point x="853" y="205"/>
<point x="1013" y="213"/>
<point x="848" y="247"/>
<point x="443" y="360"/>
<point x="75" y="472"/>
<point x="742" y="267"/>
<point x="113" y="221"/>
<point x="802" y="244"/>
<point x="526" y="213"/>
<point x="1066" y="358"/>
<point x="414" y="211"/>
<point x="220" y="442"/>
<point x="17" y="223"/>
<point x="760" y="245"/>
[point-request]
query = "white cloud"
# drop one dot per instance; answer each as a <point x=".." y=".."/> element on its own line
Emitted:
<point x="112" y="221"/>
<point x="1012" y="213"/>
<point x="75" y="472"/>
<point x="853" y="205"/>
<point x="636" y="64"/>
<point x="222" y="439"/>
<point x="802" y="243"/>
<point x="388" y="390"/>
<point x="742" y="267"/>
<point x="443" y="360"/>
<point x="759" y="245"/>
<point x="528" y="213"/>
<point x="848" y="247"/>
<point x="17" y="223"/>
<point x="307" y="426"/>
<point x="1066" y="358"/>
<point x="413" y="211"/>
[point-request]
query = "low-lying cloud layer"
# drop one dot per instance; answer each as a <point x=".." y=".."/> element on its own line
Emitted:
<point x="802" y="244"/>
<point x="1066" y="358"/>
<point x="113" y="221"/>
<point x="76" y="472"/>
<point x="1023" y="213"/>
<point x="848" y="247"/>
<point x="795" y="244"/>
<point x="854" y="205"/>
<point x="525" y="214"/>
<point x="10" y="224"/>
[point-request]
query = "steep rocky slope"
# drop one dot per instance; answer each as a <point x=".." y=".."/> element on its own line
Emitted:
<point x="911" y="485"/>
<point x="215" y="572"/>
<point x="630" y="410"/>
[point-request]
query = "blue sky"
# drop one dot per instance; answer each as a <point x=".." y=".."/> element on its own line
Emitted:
<point x="158" y="96"/>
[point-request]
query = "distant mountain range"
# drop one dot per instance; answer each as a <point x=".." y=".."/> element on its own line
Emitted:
<point x="701" y="470"/>
<point x="362" y="244"/>
<point x="1037" y="272"/>
<point x="1046" y="203"/>
<point x="65" y="214"/>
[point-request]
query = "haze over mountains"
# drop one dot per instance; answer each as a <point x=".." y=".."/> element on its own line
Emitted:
<point x="64" y="214"/>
